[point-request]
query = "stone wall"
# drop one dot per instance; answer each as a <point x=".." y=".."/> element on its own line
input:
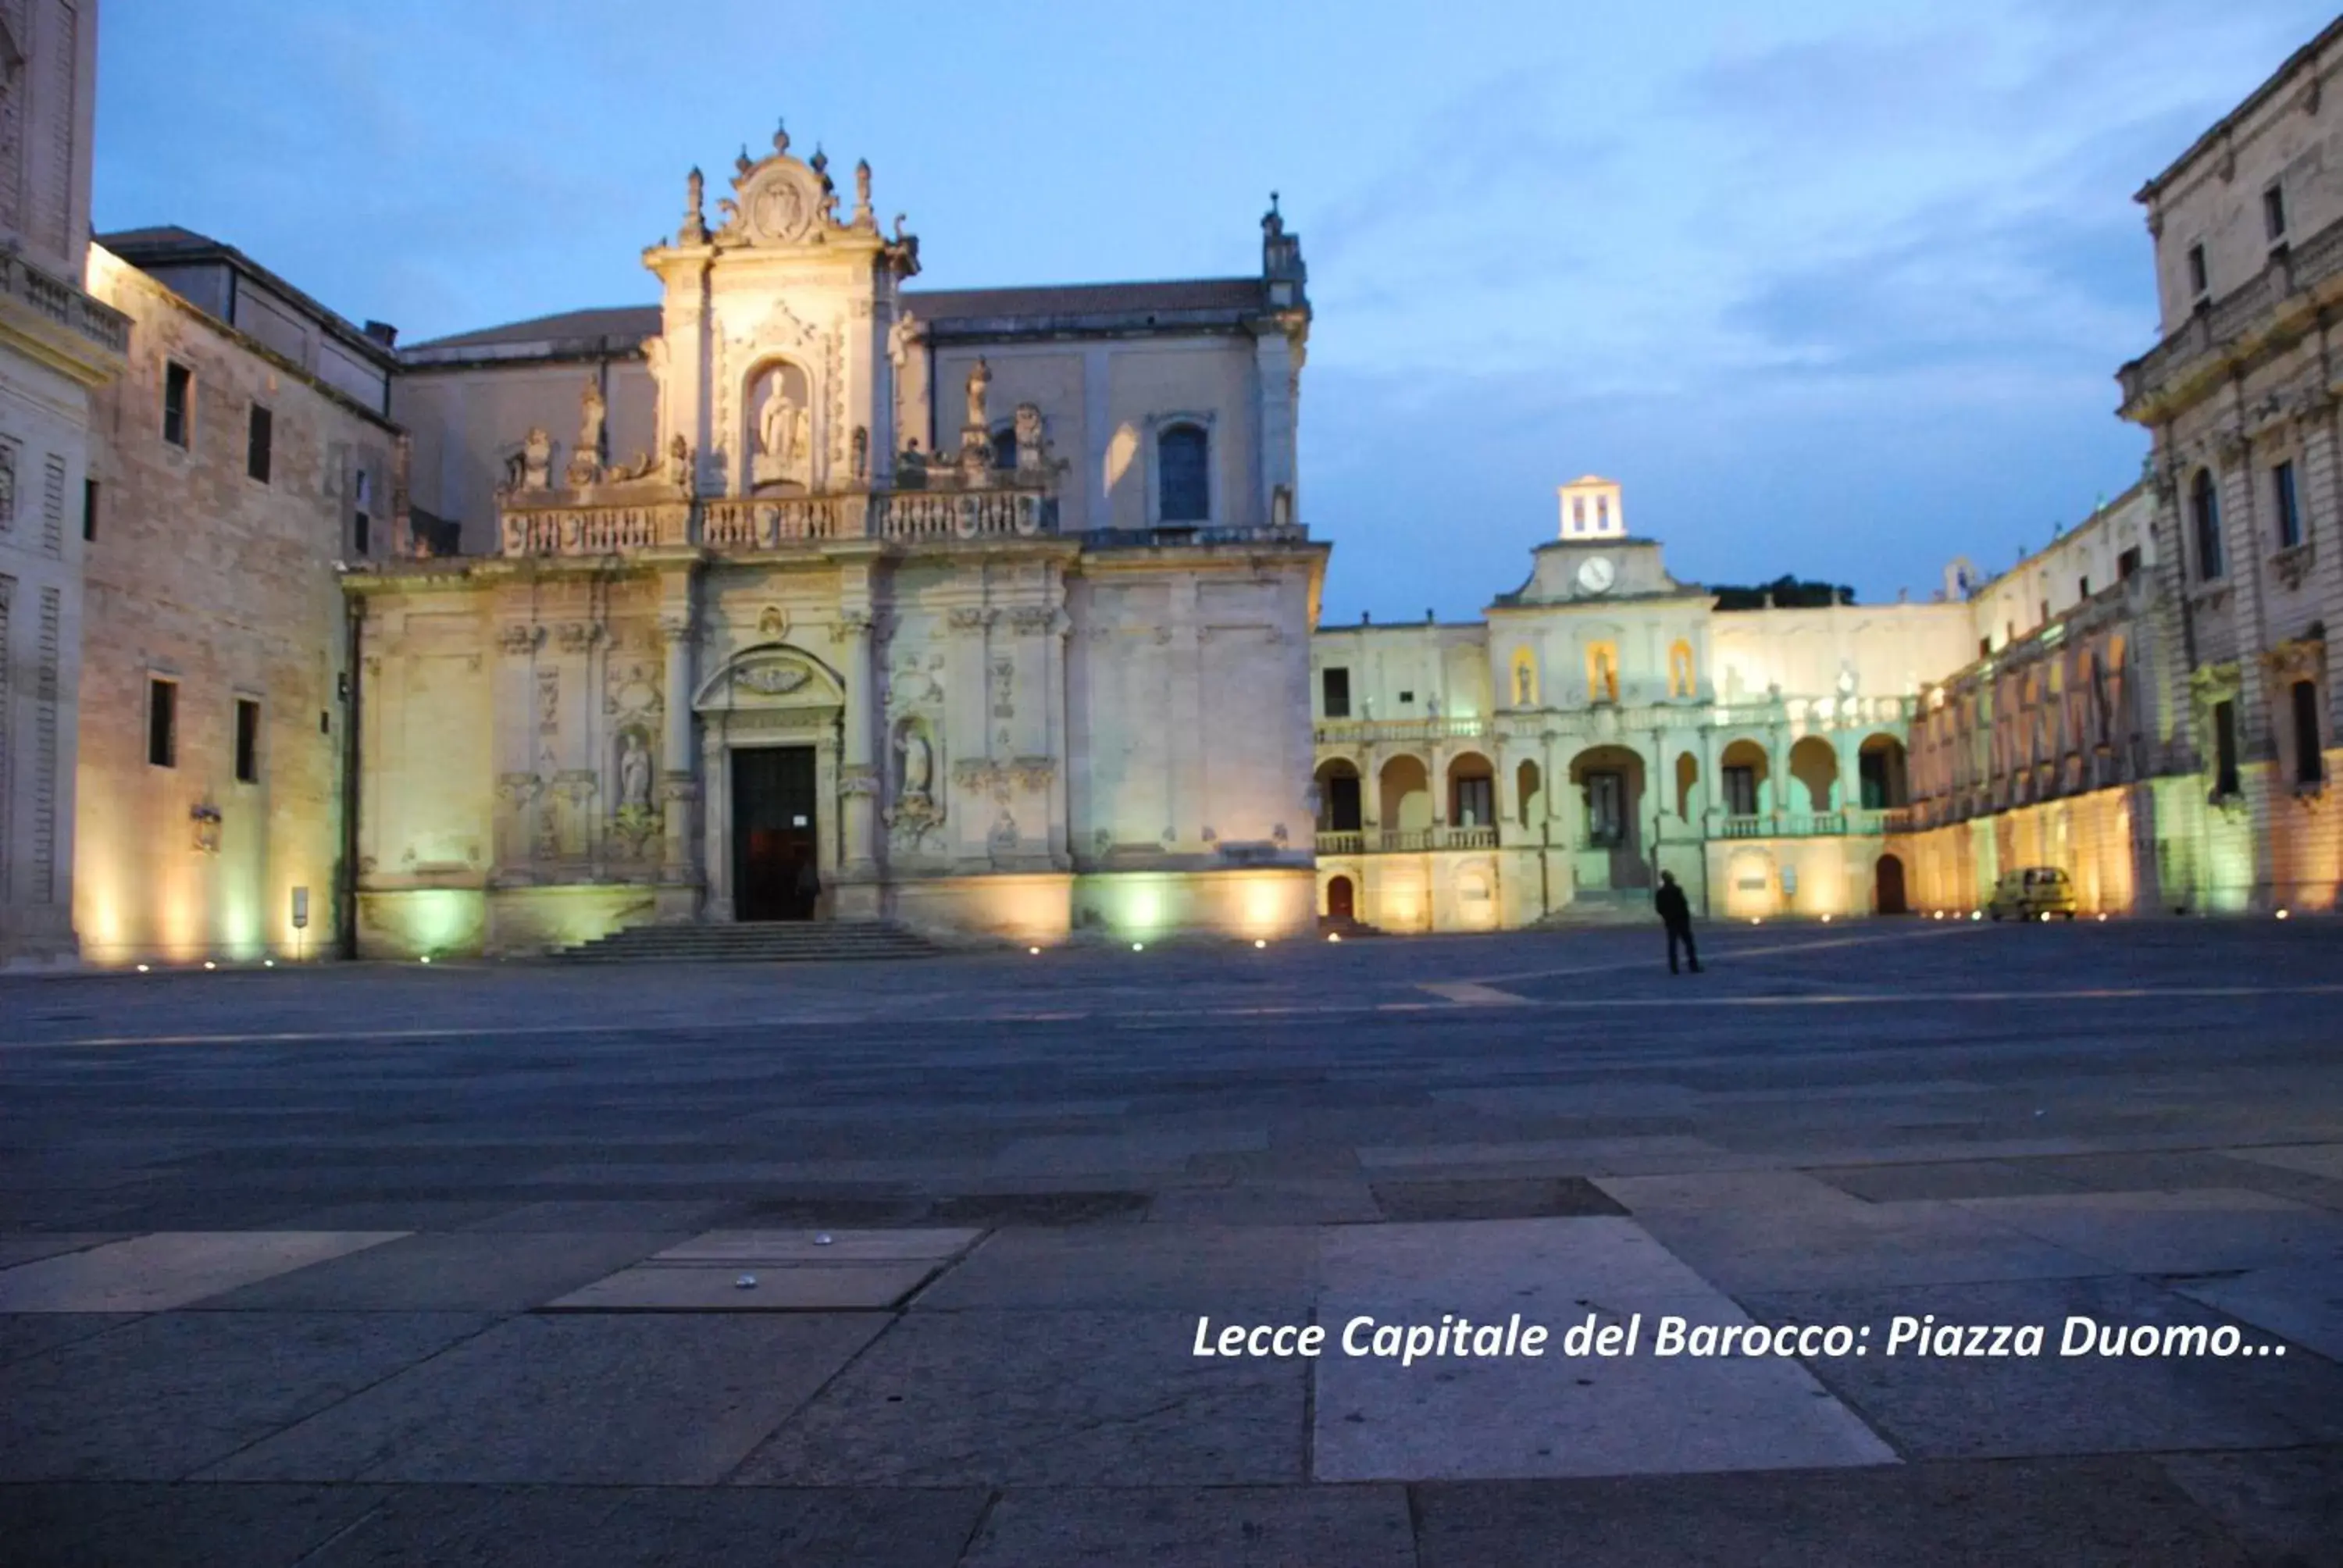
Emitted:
<point x="225" y="586"/>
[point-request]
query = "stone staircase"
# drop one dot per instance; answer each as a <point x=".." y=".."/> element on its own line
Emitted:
<point x="761" y="941"/>
<point x="1603" y="907"/>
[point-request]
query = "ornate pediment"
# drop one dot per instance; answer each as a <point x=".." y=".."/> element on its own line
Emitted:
<point x="778" y="679"/>
<point x="769" y="677"/>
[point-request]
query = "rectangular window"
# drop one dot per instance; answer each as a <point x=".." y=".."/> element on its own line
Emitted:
<point x="2290" y="506"/>
<point x="247" y="740"/>
<point x="1985" y="648"/>
<point x="1335" y="686"/>
<point x="362" y="525"/>
<point x="89" y="509"/>
<point x="162" y="723"/>
<point x="178" y="395"/>
<point x="2128" y="565"/>
<point x="2224" y="749"/>
<point x="2201" y="282"/>
<point x="256" y="446"/>
<point x="2274" y="214"/>
<point x="2309" y="764"/>
<point x="2081" y="587"/>
<point x="1741" y="792"/>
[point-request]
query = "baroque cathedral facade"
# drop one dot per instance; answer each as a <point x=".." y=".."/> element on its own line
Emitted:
<point x="983" y="613"/>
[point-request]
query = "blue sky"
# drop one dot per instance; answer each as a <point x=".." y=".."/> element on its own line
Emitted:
<point x="1835" y="287"/>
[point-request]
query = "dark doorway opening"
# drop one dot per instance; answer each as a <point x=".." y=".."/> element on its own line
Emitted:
<point x="1342" y="900"/>
<point x="774" y="829"/>
<point x="1343" y="814"/>
<point x="1891" y="899"/>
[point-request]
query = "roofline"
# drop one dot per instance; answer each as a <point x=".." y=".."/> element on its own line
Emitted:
<point x="2308" y="54"/>
<point x="198" y="248"/>
<point x="2128" y="495"/>
<point x="253" y="346"/>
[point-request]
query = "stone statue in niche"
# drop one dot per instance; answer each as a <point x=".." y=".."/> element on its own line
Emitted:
<point x="784" y="432"/>
<point x="634" y="774"/>
<point x="862" y="453"/>
<point x="679" y="464"/>
<point x="901" y="337"/>
<point x="1524" y="685"/>
<point x="915" y="764"/>
<point x="536" y="460"/>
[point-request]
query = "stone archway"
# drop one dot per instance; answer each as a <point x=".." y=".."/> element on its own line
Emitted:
<point x="770" y="728"/>
<point x="1888" y="895"/>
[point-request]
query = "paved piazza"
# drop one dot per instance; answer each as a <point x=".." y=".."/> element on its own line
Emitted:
<point x="405" y="1264"/>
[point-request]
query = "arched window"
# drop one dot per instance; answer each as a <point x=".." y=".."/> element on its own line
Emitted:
<point x="1004" y="447"/>
<point x="2205" y="512"/>
<point x="1183" y="475"/>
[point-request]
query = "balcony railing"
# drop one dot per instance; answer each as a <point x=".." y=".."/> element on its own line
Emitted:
<point x="1349" y="842"/>
<point x="607" y="519"/>
<point x="1337" y="731"/>
<point x="2289" y="276"/>
<point x="63" y="304"/>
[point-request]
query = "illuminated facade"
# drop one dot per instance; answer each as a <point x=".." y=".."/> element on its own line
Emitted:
<point x="2240" y="397"/>
<point x="984" y="612"/>
<point x="1606" y="722"/>
<point x="244" y="455"/>
<point x="57" y="345"/>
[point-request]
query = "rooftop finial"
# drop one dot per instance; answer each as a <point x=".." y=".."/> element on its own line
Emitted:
<point x="781" y="136"/>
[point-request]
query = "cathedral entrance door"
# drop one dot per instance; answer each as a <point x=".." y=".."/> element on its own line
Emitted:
<point x="773" y="833"/>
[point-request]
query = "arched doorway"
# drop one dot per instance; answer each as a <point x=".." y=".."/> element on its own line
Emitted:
<point x="1342" y="899"/>
<point x="769" y="727"/>
<point x="1887" y="890"/>
<point x="1884" y="773"/>
<point x="1338" y="796"/>
<point x="1610" y="784"/>
<point x="1813" y="765"/>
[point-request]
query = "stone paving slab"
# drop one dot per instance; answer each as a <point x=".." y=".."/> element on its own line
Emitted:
<point x="2193" y="1232"/>
<point x="2302" y="1302"/>
<point x="1781" y="1232"/>
<point x="131" y="1524"/>
<point x="2105" y="1513"/>
<point x="161" y="1398"/>
<point x="1555" y="1415"/>
<point x="1228" y="1526"/>
<point x="443" y="1273"/>
<point x="2286" y="1507"/>
<point x="1496" y="1197"/>
<point x="2312" y="1159"/>
<point x="651" y="1400"/>
<point x="774" y="1288"/>
<point x="1259" y="1269"/>
<point x="668" y="1527"/>
<point x="772" y="1248"/>
<point x="26" y="1334"/>
<point x="1937" y="1408"/>
<point x="170" y="1268"/>
<point x="1959" y="1178"/>
<point x="1266" y="1202"/>
<point x="31" y="1247"/>
<point x="580" y="1216"/>
<point x="1043" y="1399"/>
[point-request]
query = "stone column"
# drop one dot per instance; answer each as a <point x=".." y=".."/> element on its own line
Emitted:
<point x="859" y="772"/>
<point x="679" y="790"/>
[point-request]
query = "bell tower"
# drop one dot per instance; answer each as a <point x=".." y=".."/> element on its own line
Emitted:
<point x="1591" y="510"/>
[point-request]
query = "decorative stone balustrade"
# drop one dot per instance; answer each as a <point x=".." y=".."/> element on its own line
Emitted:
<point x="63" y="304"/>
<point x="583" y="523"/>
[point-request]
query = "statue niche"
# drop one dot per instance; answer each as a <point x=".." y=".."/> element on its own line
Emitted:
<point x="782" y="430"/>
<point x="913" y="814"/>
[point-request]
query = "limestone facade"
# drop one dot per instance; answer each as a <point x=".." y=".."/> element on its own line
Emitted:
<point x="984" y="612"/>
<point x="56" y="345"/>
<point x="2241" y="399"/>
<point x="235" y="482"/>
<point x="1606" y="722"/>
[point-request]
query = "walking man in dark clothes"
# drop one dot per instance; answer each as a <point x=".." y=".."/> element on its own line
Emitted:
<point x="1676" y="913"/>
